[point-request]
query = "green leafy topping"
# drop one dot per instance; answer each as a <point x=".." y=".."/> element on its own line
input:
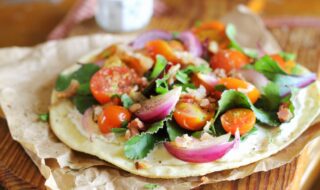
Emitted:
<point x="197" y="134"/>
<point x="267" y="66"/>
<point x="231" y="34"/>
<point x="126" y="100"/>
<point x="119" y="131"/>
<point x="182" y="77"/>
<point x="196" y="69"/>
<point x="150" y="186"/>
<point x="82" y="75"/>
<point x="43" y="117"/>
<point x="174" y="130"/>
<point x="175" y="35"/>
<point x="155" y="127"/>
<point x="83" y="102"/>
<point x="288" y="56"/>
<point x="270" y="98"/>
<point x="162" y="86"/>
<point x="139" y="146"/>
<point x="84" y="89"/>
<point x="160" y="65"/>
<point x="234" y="99"/>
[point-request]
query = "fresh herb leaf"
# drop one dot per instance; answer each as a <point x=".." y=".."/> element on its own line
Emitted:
<point x="43" y="117"/>
<point x="175" y="35"/>
<point x="270" y="99"/>
<point x="267" y="66"/>
<point x="234" y="99"/>
<point x="126" y="100"/>
<point x="119" y="131"/>
<point x="82" y="103"/>
<point x="162" y="86"/>
<point x="150" y="186"/>
<point x="84" y="89"/>
<point x="82" y="75"/>
<point x="220" y="87"/>
<point x="160" y="65"/>
<point x="155" y="127"/>
<point x="196" y="69"/>
<point x="197" y="134"/>
<point x="139" y="146"/>
<point x="182" y="77"/>
<point x="288" y="56"/>
<point x="174" y="130"/>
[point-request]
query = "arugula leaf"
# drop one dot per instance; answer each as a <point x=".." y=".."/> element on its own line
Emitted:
<point x="162" y="86"/>
<point x="82" y="75"/>
<point x="267" y="66"/>
<point x="139" y="146"/>
<point x="151" y="186"/>
<point x="160" y="65"/>
<point x="83" y="102"/>
<point x="288" y="56"/>
<point x="84" y="89"/>
<point x="44" y="117"/>
<point x="126" y="100"/>
<point x="234" y="99"/>
<point x="270" y="98"/>
<point x="174" y="130"/>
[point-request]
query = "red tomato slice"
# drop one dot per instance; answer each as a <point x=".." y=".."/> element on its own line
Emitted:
<point x="112" y="116"/>
<point x="242" y="86"/>
<point x="239" y="118"/>
<point x="113" y="80"/>
<point x="191" y="116"/>
<point x="228" y="60"/>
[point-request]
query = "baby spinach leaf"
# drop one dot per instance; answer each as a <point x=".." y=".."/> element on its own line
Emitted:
<point x="231" y="34"/>
<point x="174" y="130"/>
<point x="288" y="56"/>
<point x="83" y="102"/>
<point x="270" y="98"/>
<point x="267" y="66"/>
<point x="82" y="75"/>
<point x="84" y="89"/>
<point x="234" y="99"/>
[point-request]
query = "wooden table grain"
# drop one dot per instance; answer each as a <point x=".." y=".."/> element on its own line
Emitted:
<point x="18" y="172"/>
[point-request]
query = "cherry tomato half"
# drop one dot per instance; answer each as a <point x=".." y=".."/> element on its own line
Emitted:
<point x="228" y="60"/>
<point x="287" y="66"/>
<point x="161" y="47"/>
<point x="239" y="118"/>
<point x="191" y="116"/>
<point x="242" y="86"/>
<point x="212" y="30"/>
<point x="112" y="80"/>
<point x="112" y="116"/>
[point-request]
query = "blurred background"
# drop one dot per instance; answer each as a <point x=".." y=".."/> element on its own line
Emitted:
<point x="294" y="23"/>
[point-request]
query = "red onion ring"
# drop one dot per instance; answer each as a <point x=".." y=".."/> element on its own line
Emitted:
<point x="191" y="42"/>
<point x="202" y="154"/>
<point x="158" y="107"/>
<point x="144" y="38"/>
<point x="297" y="82"/>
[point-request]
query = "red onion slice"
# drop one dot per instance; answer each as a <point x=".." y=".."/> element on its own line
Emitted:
<point x="191" y="42"/>
<point x="286" y="82"/>
<point x="158" y="107"/>
<point x="202" y="154"/>
<point x="144" y="38"/>
<point x="87" y="122"/>
<point x="254" y="77"/>
<point x="209" y="79"/>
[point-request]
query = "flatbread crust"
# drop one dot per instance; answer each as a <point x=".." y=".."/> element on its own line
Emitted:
<point x="160" y="164"/>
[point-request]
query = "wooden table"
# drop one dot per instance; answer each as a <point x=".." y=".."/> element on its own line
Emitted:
<point x="18" y="172"/>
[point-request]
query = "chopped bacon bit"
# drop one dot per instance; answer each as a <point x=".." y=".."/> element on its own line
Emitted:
<point x="134" y="107"/>
<point x="97" y="110"/>
<point x="70" y="91"/>
<point x="284" y="113"/>
<point x="127" y="135"/>
<point x="204" y="179"/>
<point x="136" y="124"/>
<point x="140" y="165"/>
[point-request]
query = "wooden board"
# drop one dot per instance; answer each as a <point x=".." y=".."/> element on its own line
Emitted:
<point x="18" y="172"/>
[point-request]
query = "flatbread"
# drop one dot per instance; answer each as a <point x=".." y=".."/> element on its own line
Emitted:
<point x="65" y="123"/>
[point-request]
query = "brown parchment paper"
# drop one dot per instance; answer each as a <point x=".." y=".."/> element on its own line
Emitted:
<point x="27" y="77"/>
